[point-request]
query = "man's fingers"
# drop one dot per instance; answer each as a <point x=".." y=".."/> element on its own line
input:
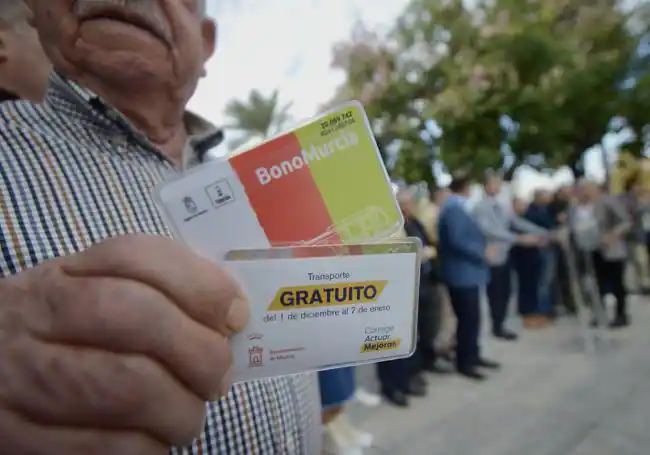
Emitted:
<point x="77" y="387"/>
<point x="204" y="291"/>
<point x="123" y="316"/>
<point x="20" y="436"/>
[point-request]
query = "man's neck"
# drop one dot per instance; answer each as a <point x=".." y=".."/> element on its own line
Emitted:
<point x="159" y="116"/>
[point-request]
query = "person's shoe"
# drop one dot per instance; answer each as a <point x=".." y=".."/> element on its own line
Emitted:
<point x="362" y="438"/>
<point x="504" y="334"/>
<point x="437" y="368"/>
<point x="530" y="322"/>
<point x="417" y="386"/>
<point x="471" y="373"/>
<point x="371" y="400"/>
<point x="397" y="398"/>
<point x="448" y="356"/>
<point x="336" y="441"/>
<point x="619" y="322"/>
<point x="543" y="321"/>
<point x="595" y="323"/>
<point x="488" y="364"/>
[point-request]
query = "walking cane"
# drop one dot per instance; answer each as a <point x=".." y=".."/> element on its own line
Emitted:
<point x="585" y="292"/>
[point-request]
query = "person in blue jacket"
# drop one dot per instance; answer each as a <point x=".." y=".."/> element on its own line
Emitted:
<point x="464" y="268"/>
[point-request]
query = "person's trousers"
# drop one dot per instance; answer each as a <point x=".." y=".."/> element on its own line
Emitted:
<point x="610" y="278"/>
<point x="647" y="244"/>
<point x="336" y="386"/>
<point x="562" y="286"/>
<point x="498" y="292"/>
<point x="546" y="281"/>
<point x="446" y="337"/>
<point x="394" y="375"/>
<point x="638" y="266"/>
<point x="428" y="327"/>
<point x="526" y="264"/>
<point x="466" y="304"/>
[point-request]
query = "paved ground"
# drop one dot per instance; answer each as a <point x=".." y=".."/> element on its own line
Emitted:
<point x="551" y="398"/>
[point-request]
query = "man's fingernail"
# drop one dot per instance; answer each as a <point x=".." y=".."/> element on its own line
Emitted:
<point x="226" y="381"/>
<point x="238" y="314"/>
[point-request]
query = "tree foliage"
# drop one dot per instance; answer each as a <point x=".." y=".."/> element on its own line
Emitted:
<point x="257" y="117"/>
<point x="558" y="70"/>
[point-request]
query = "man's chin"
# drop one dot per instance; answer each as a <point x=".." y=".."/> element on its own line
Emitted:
<point x="137" y="59"/>
<point x="129" y="70"/>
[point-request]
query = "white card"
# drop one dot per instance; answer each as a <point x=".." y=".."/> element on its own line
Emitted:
<point x="327" y="310"/>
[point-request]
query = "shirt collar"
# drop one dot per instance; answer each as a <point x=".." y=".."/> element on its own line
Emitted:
<point x="65" y="93"/>
<point x="458" y="199"/>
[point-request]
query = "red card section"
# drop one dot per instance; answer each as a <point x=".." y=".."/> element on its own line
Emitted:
<point x="282" y="192"/>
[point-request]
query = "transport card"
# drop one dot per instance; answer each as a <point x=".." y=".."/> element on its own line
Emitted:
<point x="322" y="183"/>
<point x="322" y="307"/>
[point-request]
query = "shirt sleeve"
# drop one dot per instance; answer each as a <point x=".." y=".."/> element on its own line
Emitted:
<point x="523" y="225"/>
<point x="492" y="230"/>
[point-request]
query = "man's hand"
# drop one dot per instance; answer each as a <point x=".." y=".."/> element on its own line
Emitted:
<point x="492" y="252"/>
<point x="607" y="239"/>
<point x="115" y="350"/>
<point x="533" y="240"/>
<point x="529" y="240"/>
<point x="428" y="253"/>
<point x="558" y="235"/>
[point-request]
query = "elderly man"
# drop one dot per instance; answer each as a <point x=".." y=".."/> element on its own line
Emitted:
<point x="598" y="224"/>
<point x="497" y="223"/>
<point x="24" y="68"/>
<point x="114" y="339"/>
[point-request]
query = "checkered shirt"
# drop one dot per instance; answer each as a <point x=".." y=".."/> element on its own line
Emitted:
<point x="74" y="172"/>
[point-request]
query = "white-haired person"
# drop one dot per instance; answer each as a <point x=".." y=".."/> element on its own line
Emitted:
<point x="598" y="223"/>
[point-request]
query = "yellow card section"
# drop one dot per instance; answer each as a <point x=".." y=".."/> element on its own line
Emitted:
<point x="347" y="168"/>
<point x="322" y="295"/>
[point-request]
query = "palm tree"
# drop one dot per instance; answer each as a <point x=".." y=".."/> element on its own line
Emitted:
<point x="259" y="117"/>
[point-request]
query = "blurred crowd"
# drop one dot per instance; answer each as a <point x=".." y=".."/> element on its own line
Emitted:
<point x="560" y="253"/>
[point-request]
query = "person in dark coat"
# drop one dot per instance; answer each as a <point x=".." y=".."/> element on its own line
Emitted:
<point x="539" y="212"/>
<point x="562" y="290"/>
<point x="399" y="379"/>
<point x="525" y="261"/>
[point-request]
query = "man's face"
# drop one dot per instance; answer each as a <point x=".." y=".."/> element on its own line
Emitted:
<point x="493" y="185"/>
<point x="142" y="43"/>
<point x="440" y="196"/>
<point x="24" y="68"/>
<point x="586" y="192"/>
<point x="544" y="198"/>
<point x="406" y="202"/>
<point x="519" y="206"/>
